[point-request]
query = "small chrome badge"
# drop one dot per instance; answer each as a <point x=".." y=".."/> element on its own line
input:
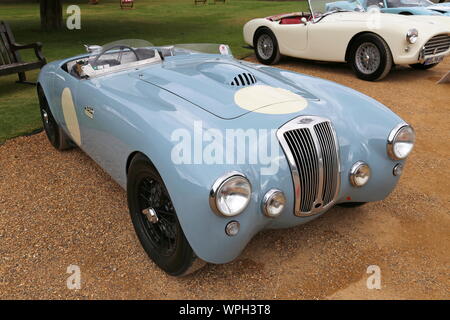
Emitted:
<point x="89" y="112"/>
<point x="151" y="215"/>
<point x="305" y="120"/>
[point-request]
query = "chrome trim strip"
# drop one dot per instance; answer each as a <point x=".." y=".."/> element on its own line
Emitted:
<point x="309" y="122"/>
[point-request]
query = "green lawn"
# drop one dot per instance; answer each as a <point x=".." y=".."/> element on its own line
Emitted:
<point x="158" y="21"/>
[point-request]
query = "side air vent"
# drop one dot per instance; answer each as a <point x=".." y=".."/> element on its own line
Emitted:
<point x="243" y="79"/>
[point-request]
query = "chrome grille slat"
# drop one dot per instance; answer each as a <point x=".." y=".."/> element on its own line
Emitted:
<point x="327" y="145"/>
<point x="325" y="158"/>
<point x="311" y="148"/>
<point x="306" y="160"/>
<point x="306" y="170"/>
<point x="314" y="170"/>
<point x="437" y="44"/>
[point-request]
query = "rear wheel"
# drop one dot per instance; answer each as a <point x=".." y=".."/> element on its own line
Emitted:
<point x="155" y="220"/>
<point x="421" y="66"/>
<point x="370" y="57"/>
<point x="57" y="137"/>
<point x="266" y="46"/>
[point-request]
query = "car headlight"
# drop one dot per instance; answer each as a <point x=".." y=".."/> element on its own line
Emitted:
<point x="230" y="194"/>
<point x="401" y="142"/>
<point x="412" y="35"/>
<point x="359" y="174"/>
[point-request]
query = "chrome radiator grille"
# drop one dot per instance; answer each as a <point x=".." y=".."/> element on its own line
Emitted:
<point x="330" y="160"/>
<point x="312" y="150"/>
<point x="437" y="44"/>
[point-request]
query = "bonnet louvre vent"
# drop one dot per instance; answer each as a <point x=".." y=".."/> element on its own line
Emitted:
<point x="243" y="79"/>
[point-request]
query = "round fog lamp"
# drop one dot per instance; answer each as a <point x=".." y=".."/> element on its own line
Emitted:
<point x="232" y="228"/>
<point x="359" y="174"/>
<point x="273" y="203"/>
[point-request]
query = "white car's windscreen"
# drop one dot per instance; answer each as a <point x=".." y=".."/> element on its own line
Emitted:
<point x="408" y="3"/>
<point x="320" y="8"/>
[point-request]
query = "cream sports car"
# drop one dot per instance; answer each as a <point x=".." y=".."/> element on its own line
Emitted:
<point x="372" y="43"/>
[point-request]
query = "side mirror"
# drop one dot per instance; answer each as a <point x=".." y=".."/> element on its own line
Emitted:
<point x="304" y="20"/>
<point x="381" y="4"/>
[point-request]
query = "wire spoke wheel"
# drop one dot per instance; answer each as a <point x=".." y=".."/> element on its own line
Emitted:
<point x="265" y="46"/>
<point x="368" y="58"/>
<point x="162" y="234"/>
<point x="155" y="220"/>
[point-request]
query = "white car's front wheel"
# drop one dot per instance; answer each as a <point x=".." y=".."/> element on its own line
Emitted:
<point x="266" y="46"/>
<point x="370" y="57"/>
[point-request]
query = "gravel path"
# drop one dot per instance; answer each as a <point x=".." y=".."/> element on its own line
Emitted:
<point x="58" y="209"/>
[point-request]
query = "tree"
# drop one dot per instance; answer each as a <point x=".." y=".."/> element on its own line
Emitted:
<point x="51" y="15"/>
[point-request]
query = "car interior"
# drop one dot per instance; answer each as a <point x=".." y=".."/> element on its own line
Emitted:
<point x="295" y="18"/>
<point x="115" y="59"/>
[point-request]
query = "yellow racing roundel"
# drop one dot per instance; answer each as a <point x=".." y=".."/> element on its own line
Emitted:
<point x="269" y="100"/>
<point x="70" y="116"/>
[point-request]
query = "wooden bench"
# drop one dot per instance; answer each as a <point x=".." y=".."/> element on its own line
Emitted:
<point x="10" y="60"/>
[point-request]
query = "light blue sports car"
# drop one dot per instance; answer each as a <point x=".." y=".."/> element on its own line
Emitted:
<point x="212" y="150"/>
<point x="405" y="7"/>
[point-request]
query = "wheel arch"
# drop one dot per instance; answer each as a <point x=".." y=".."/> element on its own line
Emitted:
<point x="40" y="88"/>
<point x="257" y="30"/>
<point x="132" y="155"/>
<point x="355" y="37"/>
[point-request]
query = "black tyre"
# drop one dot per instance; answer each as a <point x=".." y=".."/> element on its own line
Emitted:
<point x="266" y="46"/>
<point x="370" y="57"/>
<point x="57" y="137"/>
<point x="155" y="220"/>
<point x="420" y="66"/>
<point x="352" y="204"/>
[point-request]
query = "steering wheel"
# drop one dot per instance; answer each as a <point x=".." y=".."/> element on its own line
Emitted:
<point x="121" y="47"/>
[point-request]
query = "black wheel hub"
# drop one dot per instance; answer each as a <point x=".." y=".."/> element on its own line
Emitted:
<point x="162" y="231"/>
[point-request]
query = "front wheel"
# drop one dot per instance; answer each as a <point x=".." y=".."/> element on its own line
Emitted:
<point x="266" y="46"/>
<point x="370" y="57"/>
<point x="155" y="220"/>
<point x="421" y="66"/>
